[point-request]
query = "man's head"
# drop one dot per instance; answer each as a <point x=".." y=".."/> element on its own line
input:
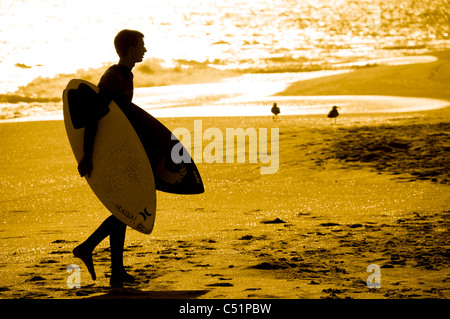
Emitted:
<point x="130" y="42"/>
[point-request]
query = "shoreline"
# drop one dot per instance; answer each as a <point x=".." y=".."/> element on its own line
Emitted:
<point x="426" y="80"/>
<point x="171" y="114"/>
<point x="272" y="87"/>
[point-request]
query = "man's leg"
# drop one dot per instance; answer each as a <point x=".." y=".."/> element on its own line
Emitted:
<point x="84" y="250"/>
<point x="117" y="241"/>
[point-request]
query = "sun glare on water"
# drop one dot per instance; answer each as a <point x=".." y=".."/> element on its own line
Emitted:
<point x="48" y="37"/>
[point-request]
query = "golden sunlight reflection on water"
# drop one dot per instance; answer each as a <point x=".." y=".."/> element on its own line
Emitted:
<point x="49" y="37"/>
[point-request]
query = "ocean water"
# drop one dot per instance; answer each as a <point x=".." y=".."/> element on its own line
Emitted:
<point x="254" y="95"/>
<point x="43" y="38"/>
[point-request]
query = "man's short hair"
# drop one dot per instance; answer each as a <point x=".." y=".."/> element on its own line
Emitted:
<point x="126" y="39"/>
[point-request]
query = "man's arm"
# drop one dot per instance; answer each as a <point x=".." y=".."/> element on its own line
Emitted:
<point x="85" y="166"/>
<point x="108" y="85"/>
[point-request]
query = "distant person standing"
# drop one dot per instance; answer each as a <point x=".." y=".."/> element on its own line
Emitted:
<point x="333" y="113"/>
<point x="275" y="110"/>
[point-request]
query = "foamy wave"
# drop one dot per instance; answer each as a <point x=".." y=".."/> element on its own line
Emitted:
<point x="148" y="74"/>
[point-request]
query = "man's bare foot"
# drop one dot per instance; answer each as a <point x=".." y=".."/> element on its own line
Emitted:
<point x="117" y="281"/>
<point x="86" y="256"/>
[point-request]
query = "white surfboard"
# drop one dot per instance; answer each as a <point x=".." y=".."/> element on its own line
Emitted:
<point x="122" y="177"/>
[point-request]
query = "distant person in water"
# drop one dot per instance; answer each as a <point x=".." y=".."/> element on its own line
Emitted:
<point x="275" y="110"/>
<point x="116" y="84"/>
<point x="333" y="113"/>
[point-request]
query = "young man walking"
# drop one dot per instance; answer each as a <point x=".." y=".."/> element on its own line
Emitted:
<point x="116" y="84"/>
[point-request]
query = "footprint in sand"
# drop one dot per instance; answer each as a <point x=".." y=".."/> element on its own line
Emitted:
<point x="36" y="279"/>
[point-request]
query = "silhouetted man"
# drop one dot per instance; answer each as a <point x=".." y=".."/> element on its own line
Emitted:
<point x="116" y="84"/>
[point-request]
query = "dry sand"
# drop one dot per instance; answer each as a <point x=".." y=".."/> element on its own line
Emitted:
<point x="372" y="189"/>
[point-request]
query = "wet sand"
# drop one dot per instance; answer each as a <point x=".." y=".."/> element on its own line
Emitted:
<point x="371" y="189"/>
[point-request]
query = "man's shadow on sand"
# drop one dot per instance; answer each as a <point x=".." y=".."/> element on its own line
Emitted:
<point x="133" y="293"/>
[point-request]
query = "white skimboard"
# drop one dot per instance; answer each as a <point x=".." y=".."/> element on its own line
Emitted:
<point x="122" y="177"/>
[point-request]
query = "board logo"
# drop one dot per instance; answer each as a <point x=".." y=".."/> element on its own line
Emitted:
<point x="145" y="213"/>
<point x="125" y="212"/>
